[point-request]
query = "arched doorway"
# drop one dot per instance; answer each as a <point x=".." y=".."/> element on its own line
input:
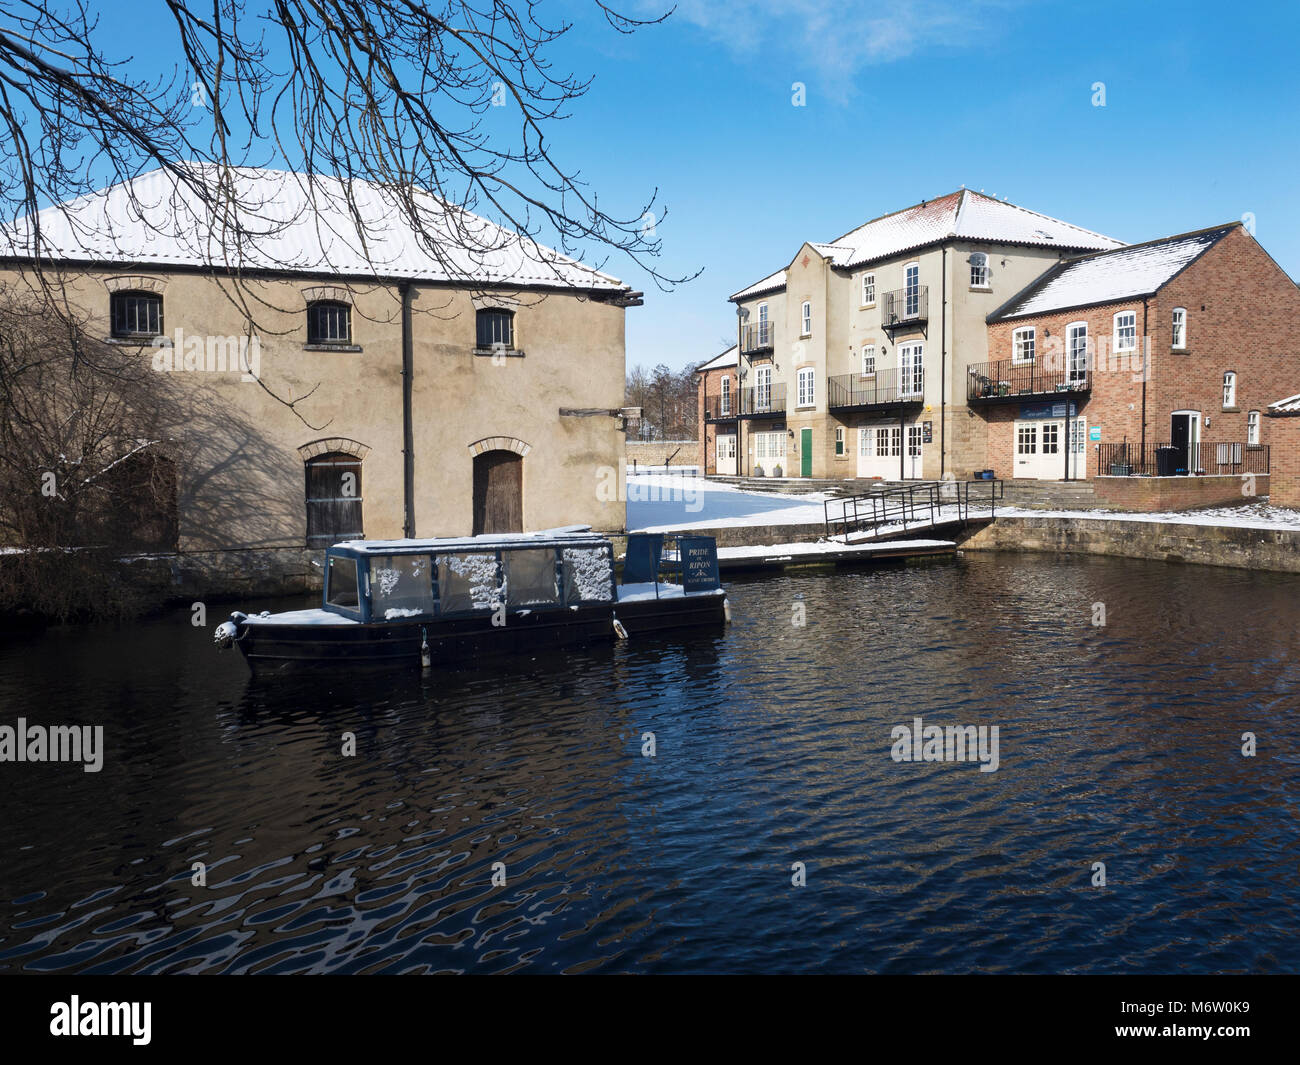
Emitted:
<point x="498" y="492"/>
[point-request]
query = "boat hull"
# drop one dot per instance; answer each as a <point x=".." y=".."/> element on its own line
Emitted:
<point x="455" y="641"/>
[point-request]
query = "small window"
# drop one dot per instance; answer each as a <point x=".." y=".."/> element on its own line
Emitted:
<point x="495" y="328"/>
<point x="1126" y="331"/>
<point x="329" y="322"/>
<point x="401" y="586"/>
<point x="1179" y="332"/>
<point x="1022" y="344"/>
<point x="869" y="360"/>
<point x="839" y="440"/>
<point x="342" y="582"/>
<point x="805" y="315"/>
<point x="137" y="314"/>
<point x="1229" y="389"/>
<point x="764" y="338"/>
<point x="726" y="395"/>
<point x="807" y="391"/>
<point x="979" y="270"/>
<point x="868" y="290"/>
<point x="1252" y="428"/>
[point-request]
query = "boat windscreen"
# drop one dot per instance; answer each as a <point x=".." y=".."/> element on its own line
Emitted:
<point x="531" y="577"/>
<point x="401" y="586"/>
<point x="341" y="583"/>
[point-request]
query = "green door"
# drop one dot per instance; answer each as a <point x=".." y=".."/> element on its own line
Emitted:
<point x="805" y="452"/>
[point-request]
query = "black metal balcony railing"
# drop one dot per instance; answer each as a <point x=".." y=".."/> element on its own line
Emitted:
<point x="880" y="390"/>
<point x="905" y="306"/>
<point x="1009" y="382"/>
<point x="757" y="336"/>
<point x="717" y="409"/>
<point x="762" y="399"/>
<point x="1168" y="460"/>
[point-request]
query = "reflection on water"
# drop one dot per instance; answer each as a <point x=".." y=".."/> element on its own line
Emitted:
<point x="1119" y="744"/>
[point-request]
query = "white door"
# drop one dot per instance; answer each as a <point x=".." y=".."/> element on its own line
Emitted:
<point x="763" y="389"/>
<point x="879" y="448"/>
<point x="914" y="446"/>
<point x="1039" y="449"/>
<point x="725" y="456"/>
<point x="911" y="375"/>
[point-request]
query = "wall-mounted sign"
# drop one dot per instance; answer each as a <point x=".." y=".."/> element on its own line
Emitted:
<point x="927" y="432"/>
<point x="1094" y="433"/>
<point x="1050" y="409"/>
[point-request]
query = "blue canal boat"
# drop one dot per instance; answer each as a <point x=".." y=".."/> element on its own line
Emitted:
<point x="430" y="602"/>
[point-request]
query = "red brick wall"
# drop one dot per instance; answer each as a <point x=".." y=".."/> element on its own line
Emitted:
<point x="1285" y="459"/>
<point x="708" y="393"/>
<point x="1250" y="324"/>
<point x="1149" y="495"/>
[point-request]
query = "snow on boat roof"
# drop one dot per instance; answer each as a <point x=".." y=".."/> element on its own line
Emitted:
<point x="962" y="215"/>
<point x="1125" y="273"/>
<point x="567" y="534"/>
<point x="293" y="223"/>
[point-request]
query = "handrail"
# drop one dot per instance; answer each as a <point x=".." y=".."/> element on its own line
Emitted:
<point x="915" y="503"/>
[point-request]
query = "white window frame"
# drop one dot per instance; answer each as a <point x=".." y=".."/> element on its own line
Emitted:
<point x="1115" y="330"/>
<point x="869" y="290"/>
<point x="911" y="368"/>
<point x="911" y="290"/>
<point x="810" y="375"/>
<point x="1076" y="343"/>
<point x="1178" y="329"/>
<point x="805" y="318"/>
<point x="839" y="442"/>
<point x="979" y="272"/>
<point x="764" y="326"/>
<point x="762" y="389"/>
<point x="1252" y="428"/>
<point x="1019" y="343"/>
<point x="725" y="395"/>
<point x="1229" y="389"/>
<point x="869" y="360"/>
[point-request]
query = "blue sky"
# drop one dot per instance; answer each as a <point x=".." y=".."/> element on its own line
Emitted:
<point x="906" y="101"/>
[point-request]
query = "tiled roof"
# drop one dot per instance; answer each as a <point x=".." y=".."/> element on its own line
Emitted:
<point x="961" y="215"/>
<point x="298" y="224"/>
<point x="1125" y="273"/>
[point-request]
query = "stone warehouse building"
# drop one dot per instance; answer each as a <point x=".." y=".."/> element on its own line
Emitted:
<point x="1156" y="358"/>
<point x="853" y="359"/>
<point x="448" y="392"/>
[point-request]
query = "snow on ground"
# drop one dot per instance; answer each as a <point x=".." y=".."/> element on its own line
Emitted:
<point x="825" y="547"/>
<point x="670" y="502"/>
<point x="1247" y="516"/>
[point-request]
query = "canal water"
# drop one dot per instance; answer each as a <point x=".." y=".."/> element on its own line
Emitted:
<point x="1119" y="744"/>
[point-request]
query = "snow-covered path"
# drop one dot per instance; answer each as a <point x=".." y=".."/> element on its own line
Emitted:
<point x="667" y="503"/>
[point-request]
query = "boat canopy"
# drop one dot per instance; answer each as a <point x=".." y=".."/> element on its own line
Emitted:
<point x="394" y="580"/>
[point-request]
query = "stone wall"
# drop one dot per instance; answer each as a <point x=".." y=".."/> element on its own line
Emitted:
<point x="1239" y="548"/>
<point x="1154" y="495"/>
<point x="658" y="452"/>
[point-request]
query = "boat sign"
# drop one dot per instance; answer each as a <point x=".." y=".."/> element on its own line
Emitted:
<point x="699" y="556"/>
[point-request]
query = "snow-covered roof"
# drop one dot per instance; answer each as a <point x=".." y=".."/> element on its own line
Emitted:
<point x="293" y="223"/>
<point x="1125" y="273"/>
<point x="962" y="215"/>
<point x="1285" y="407"/>
<point x="720" y="362"/>
<point x="569" y="534"/>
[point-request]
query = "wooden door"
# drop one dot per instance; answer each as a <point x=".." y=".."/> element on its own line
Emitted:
<point x="333" y="499"/>
<point x="498" y="492"/>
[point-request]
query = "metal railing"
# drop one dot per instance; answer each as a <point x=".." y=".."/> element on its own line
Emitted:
<point x="715" y="409"/>
<point x="763" y="399"/>
<point x="890" y="387"/>
<point x="904" y="305"/>
<point x="757" y="336"/>
<point x="1163" y="459"/>
<point x="915" y="504"/>
<point x="1008" y="381"/>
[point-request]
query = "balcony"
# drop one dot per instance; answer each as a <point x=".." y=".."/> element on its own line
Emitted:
<point x="717" y="409"/>
<point x="883" y="390"/>
<point x="905" y="308"/>
<point x="1011" y="382"/>
<point x="756" y="337"/>
<point x="759" y="401"/>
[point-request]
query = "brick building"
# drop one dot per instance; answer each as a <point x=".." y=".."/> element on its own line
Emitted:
<point x="1284" y="424"/>
<point x="1153" y="358"/>
<point x="718" y="414"/>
